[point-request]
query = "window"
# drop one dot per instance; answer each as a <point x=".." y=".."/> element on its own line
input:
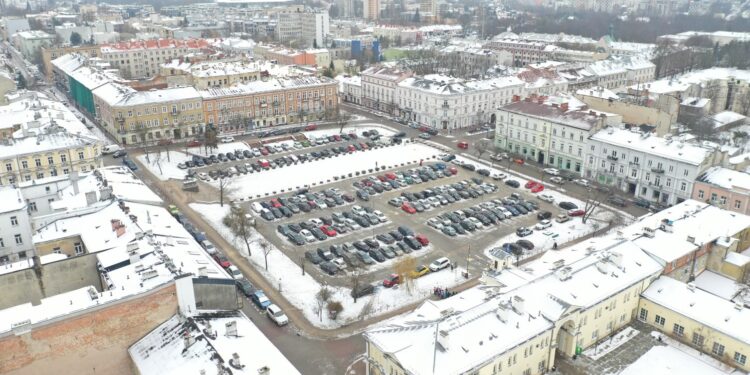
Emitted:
<point x="50" y="160"/>
<point x="659" y="320"/>
<point x="2" y="244"/>
<point x="737" y="204"/>
<point x="718" y="349"/>
<point x="38" y="162"/>
<point x="527" y="371"/>
<point x="63" y="158"/>
<point x="723" y="200"/>
<point x="19" y="240"/>
<point x="78" y="248"/>
<point x="698" y="339"/>
<point x="14" y="220"/>
<point x="683" y="186"/>
<point x="700" y="194"/>
<point x="542" y="366"/>
<point x="56" y="250"/>
<point x="678" y="330"/>
<point x="80" y="155"/>
<point x="24" y="164"/>
<point x="740" y="358"/>
<point x="32" y="206"/>
<point x="713" y="197"/>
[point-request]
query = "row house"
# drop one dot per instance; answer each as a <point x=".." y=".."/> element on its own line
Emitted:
<point x="379" y="88"/>
<point x="143" y="58"/>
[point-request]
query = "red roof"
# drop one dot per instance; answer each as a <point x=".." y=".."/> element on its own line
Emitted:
<point x="159" y="43"/>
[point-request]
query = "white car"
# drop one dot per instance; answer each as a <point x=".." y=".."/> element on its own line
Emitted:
<point x="227" y="139"/>
<point x="435" y="223"/>
<point x="278" y="316"/>
<point x="476" y="222"/>
<point x="546" y="197"/>
<point x="499" y="176"/>
<point x="235" y="272"/>
<point x="203" y="176"/>
<point x="557" y="180"/>
<point x="439" y="264"/>
<point x="308" y="235"/>
<point x="340" y="263"/>
<point x="317" y="222"/>
<point x="358" y="210"/>
<point x="582" y="182"/>
<point x="552" y="171"/>
<point x="544" y="224"/>
<point x="380" y="215"/>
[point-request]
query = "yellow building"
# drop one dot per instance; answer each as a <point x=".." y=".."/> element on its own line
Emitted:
<point x="213" y="74"/>
<point x="713" y="325"/>
<point x="148" y="117"/>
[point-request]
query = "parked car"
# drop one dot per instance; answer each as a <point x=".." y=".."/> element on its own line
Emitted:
<point x="463" y="145"/>
<point x="552" y="171"/>
<point x="362" y="290"/>
<point x="544" y="224"/>
<point x="329" y="268"/>
<point x="617" y="201"/>
<point x="245" y="287"/>
<point x="392" y="280"/>
<point x="567" y="205"/>
<point x="642" y="203"/>
<point x="562" y="218"/>
<point x="546" y="197"/>
<point x="420" y="271"/>
<point x="227" y="139"/>
<point x="259" y="299"/>
<point x="544" y="215"/>
<point x="235" y="272"/>
<point x="557" y="180"/>
<point x="277" y="315"/>
<point x="574" y="213"/>
<point x="582" y="182"/>
<point x="222" y="260"/>
<point x="523" y="232"/>
<point x="513" y="183"/>
<point x="439" y="264"/>
<point x="313" y="257"/>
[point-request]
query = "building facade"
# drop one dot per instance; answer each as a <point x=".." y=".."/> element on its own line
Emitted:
<point x="725" y="188"/>
<point x="15" y="227"/>
<point x="659" y="170"/>
<point x="379" y="88"/>
<point x="30" y="43"/>
<point x="143" y="58"/>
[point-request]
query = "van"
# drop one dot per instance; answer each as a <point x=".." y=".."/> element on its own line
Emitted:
<point x="110" y="149"/>
<point x="463" y="144"/>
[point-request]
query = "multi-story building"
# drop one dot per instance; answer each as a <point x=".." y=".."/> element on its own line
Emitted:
<point x="371" y="9"/>
<point x="143" y="58"/>
<point x="726" y="188"/>
<point x="315" y="28"/>
<point x="350" y="88"/>
<point x="549" y="131"/>
<point x="660" y="113"/>
<point x="15" y="226"/>
<point x="268" y="103"/>
<point x="52" y="53"/>
<point x="379" y="87"/>
<point x="134" y="117"/>
<point x="524" y="52"/>
<point x="30" y="43"/>
<point x="211" y="74"/>
<point x="47" y="141"/>
<point x="444" y="102"/>
<point x="660" y="170"/>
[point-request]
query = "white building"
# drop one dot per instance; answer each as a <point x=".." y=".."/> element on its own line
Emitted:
<point x="550" y="131"/>
<point x="379" y="87"/>
<point x="656" y="169"/>
<point x="15" y="227"/>
<point x="30" y="43"/>
<point x="443" y="102"/>
<point x="315" y="28"/>
<point x="350" y="88"/>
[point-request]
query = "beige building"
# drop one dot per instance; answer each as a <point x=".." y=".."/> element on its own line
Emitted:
<point x="213" y="74"/>
<point x="660" y="113"/>
<point x="51" y="53"/>
<point x="706" y="322"/>
<point x="725" y="188"/>
<point x="138" y="117"/>
<point x="143" y="58"/>
<point x="371" y="9"/>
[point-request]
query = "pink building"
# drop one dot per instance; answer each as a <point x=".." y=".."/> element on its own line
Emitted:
<point x="725" y="188"/>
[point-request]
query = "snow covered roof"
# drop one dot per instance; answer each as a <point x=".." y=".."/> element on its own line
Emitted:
<point x="44" y="143"/>
<point x="717" y="284"/>
<point x="551" y="110"/>
<point x="598" y="92"/>
<point x="484" y="322"/>
<point x="446" y="85"/>
<point x="727" y="117"/>
<point x="219" y="68"/>
<point x="668" y="360"/>
<point x="726" y="178"/>
<point x="682" y="228"/>
<point x="270" y="85"/>
<point x="12" y="199"/>
<point x="163" y="351"/>
<point x="116" y="94"/>
<point x="703" y="307"/>
<point x="696" y="77"/>
<point x="675" y="150"/>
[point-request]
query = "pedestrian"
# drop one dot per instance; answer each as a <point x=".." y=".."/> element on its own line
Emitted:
<point x="554" y="246"/>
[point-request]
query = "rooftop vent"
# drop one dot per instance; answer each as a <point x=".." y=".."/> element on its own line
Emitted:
<point x="231" y="329"/>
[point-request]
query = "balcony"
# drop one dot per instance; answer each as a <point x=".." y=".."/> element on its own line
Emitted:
<point x="121" y="120"/>
<point x="657" y="170"/>
<point x="175" y="113"/>
<point x="612" y="157"/>
<point x="445" y="106"/>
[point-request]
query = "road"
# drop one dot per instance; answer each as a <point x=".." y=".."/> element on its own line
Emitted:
<point x="20" y="63"/>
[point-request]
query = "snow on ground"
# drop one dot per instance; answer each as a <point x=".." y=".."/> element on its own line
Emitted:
<point x="295" y="176"/>
<point x="165" y="167"/>
<point x="358" y="128"/>
<point x="615" y="341"/>
<point x="301" y="290"/>
<point x="670" y="360"/>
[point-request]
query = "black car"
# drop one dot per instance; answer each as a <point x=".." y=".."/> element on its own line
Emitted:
<point x="468" y="166"/>
<point x="329" y="268"/>
<point x="412" y="243"/>
<point x="396" y="235"/>
<point x="617" y="201"/>
<point x="319" y="235"/>
<point x="359" y="245"/>
<point x="283" y="229"/>
<point x="513" y="183"/>
<point x="544" y="215"/>
<point x="483" y="172"/>
<point x="325" y="254"/>
<point x="377" y="255"/>
<point x="362" y="290"/>
<point x="372" y="243"/>
<point x="405" y="231"/>
<point x="245" y="287"/>
<point x="642" y="203"/>
<point x="568" y="205"/>
<point x="385" y="238"/>
<point x="313" y="257"/>
<point x="337" y="250"/>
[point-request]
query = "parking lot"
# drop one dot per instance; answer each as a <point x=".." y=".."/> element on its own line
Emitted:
<point x="383" y="218"/>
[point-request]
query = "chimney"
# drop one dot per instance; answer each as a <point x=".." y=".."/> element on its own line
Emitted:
<point x="564" y="107"/>
<point x="188" y="339"/>
<point x="90" y="198"/>
<point x="231" y="329"/>
<point x="602" y="266"/>
<point x="133" y="253"/>
<point x="74" y="181"/>
<point x="517" y="303"/>
<point x="265" y="370"/>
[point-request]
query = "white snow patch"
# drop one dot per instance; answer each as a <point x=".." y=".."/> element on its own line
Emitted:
<point x="163" y="167"/>
<point x="615" y="341"/>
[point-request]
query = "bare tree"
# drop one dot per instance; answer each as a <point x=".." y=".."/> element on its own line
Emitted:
<point x="321" y="298"/>
<point x="238" y="223"/>
<point x="355" y="279"/>
<point x="342" y="118"/>
<point x="594" y="199"/>
<point x="210" y="138"/>
<point x="404" y="268"/>
<point x="226" y="188"/>
<point x="482" y="146"/>
<point x="266" y="248"/>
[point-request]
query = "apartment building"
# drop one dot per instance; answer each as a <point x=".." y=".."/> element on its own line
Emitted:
<point x="551" y="131"/>
<point x="660" y="113"/>
<point x="143" y="58"/>
<point x="379" y="88"/>
<point x="442" y="102"/>
<point x="267" y="103"/>
<point x="30" y="43"/>
<point x="524" y="52"/>
<point x="52" y="53"/>
<point x="208" y="74"/>
<point x="725" y="188"/>
<point x="659" y="170"/>
<point x="371" y="10"/>
<point x="15" y="226"/>
<point x="306" y="29"/>
<point x="147" y="117"/>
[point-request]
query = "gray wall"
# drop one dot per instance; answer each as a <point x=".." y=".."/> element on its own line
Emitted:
<point x="215" y="294"/>
<point x="33" y="284"/>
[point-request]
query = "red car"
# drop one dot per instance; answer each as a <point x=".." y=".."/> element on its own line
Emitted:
<point x="328" y="231"/>
<point x="311" y="127"/>
<point x="392" y="280"/>
<point x="164" y="142"/>
<point x="382" y="178"/>
<point x="194" y="143"/>
<point x="364" y="146"/>
<point x="463" y="144"/>
<point x="408" y="209"/>
<point x="352" y="135"/>
<point x="453" y="170"/>
<point x="275" y="203"/>
<point x="537" y="188"/>
<point x="518" y="161"/>
<point x="530" y="184"/>
<point x="573" y="213"/>
<point x="337" y="137"/>
<point x="390" y="176"/>
<point x="264" y="163"/>
<point x="222" y="260"/>
<point x="422" y="239"/>
<point x="351" y="148"/>
<point x="263" y="151"/>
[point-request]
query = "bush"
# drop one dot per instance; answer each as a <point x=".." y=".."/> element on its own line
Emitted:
<point x="334" y="308"/>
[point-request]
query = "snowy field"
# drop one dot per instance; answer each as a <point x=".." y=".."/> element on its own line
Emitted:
<point x="301" y="290"/>
<point x="359" y="128"/>
<point x="323" y="171"/>
<point x="164" y="167"/>
<point x="220" y="148"/>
